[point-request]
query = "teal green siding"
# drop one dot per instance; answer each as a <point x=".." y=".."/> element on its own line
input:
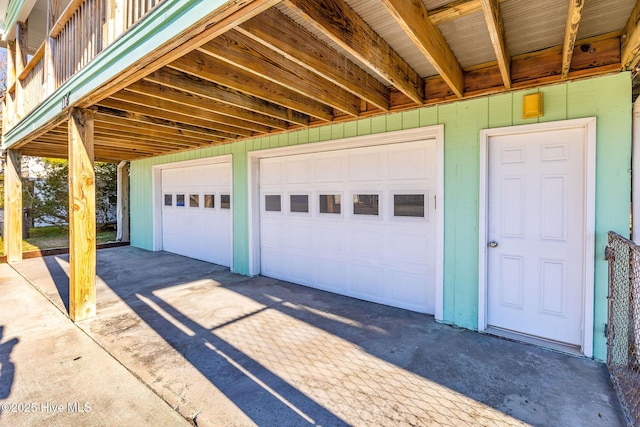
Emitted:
<point x="607" y="98"/>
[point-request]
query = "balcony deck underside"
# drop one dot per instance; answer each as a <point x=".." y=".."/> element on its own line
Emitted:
<point x="294" y="64"/>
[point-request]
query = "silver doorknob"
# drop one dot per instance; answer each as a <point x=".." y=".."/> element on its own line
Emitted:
<point x="493" y="244"/>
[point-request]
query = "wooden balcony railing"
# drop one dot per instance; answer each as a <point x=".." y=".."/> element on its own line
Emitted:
<point x="32" y="79"/>
<point x="77" y="34"/>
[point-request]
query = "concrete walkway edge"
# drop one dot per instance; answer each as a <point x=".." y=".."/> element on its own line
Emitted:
<point x="53" y="372"/>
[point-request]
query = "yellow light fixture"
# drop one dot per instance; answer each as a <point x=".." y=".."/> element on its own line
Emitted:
<point x="532" y="106"/>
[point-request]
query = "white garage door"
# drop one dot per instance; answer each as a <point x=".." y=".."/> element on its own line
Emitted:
<point x="196" y="212"/>
<point x="360" y="222"/>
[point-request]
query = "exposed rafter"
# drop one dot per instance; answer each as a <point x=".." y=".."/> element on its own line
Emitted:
<point x="574" y="15"/>
<point x="136" y="109"/>
<point x="206" y="89"/>
<point x="631" y="40"/>
<point x="240" y="51"/>
<point x="184" y="109"/>
<point x="495" y="25"/>
<point x="454" y="10"/>
<point x="412" y="16"/>
<point x="276" y="31"/>
<point x="210" y="68"/>
<point x="171" y="126"/>
<point x="191" y="100"/>
<point x="338" y="21"/>
<point x="106" y="120"/>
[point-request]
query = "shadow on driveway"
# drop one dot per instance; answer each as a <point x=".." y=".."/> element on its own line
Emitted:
<point x="7" y="368"/>
<point x="221" y="347"/>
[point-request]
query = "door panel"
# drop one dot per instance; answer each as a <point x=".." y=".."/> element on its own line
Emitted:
<point x="536" y="219"/>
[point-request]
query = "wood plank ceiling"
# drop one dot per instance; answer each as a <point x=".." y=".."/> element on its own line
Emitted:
<point x="312" y="62"/>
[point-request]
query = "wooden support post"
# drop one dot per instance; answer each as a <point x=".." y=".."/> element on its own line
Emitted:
<point x="12" y="207"/>
<point x="11" y="63"/>
<point x="5" y="116"/>
<point x="123" y="202"/>
<point x="21" y="62"/>
<point x="10" y="97"/>
<point x="82" y="216"/>
<point x="54" y="11"/>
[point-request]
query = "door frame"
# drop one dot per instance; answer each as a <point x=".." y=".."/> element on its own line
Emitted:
<point x="589" y="128"/>
<point x="156" y="190"/>
<point x="435" y="133"/>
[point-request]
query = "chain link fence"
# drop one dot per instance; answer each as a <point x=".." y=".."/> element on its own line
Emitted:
<point x="623" y="337"/>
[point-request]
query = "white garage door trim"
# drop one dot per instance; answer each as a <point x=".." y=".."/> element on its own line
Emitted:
<point x="589" y="127"/>
<point x="435" y="133"/>
<point x="156" y="188"/>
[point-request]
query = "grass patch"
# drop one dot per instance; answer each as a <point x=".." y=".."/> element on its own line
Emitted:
<point x="55" y="238"/>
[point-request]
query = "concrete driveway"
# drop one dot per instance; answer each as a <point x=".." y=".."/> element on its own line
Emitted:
<point x="225" y="349"/>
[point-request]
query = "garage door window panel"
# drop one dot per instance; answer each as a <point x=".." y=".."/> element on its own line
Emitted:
<point x="299" y="203"/>
<point x="225" y="201"/>
<point x="180" y="200"/>
<point x="330" y="203"/>
<point x="273" y="203"/>
<point x="209" y="201"/>
<point x="409" y="205"/>
<point x="366" y="204"/>
<point x="194" y="200"/>
<point x="168" y="199"/>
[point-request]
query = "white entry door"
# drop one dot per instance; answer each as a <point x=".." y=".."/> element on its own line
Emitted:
<point x="536" y="232"/>
<point x="196" y="212"/>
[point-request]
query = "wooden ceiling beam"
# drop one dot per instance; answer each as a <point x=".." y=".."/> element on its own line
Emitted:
<point x="532" y="70"/>
<point x="43" y="147"/>
<point x="281" y="34"/>
<point x="631" y="40"/>
<point x="183" y="109"/>
<point x="574" y="14"/>
<point x="114" y="141"/>
<point x="206" y="89"/>
<point x="209" y="68"/>
<point x="183" y="98"/>
<point x="145" y="133"/>
<point x="338" y="21"/>
<point x="135" y="109"/>
<point x="169" y="127"/>
<point x="58" y="139"/>
<point x="412" y="17"/>
<point x="495" y="25"/>
<point x="241" y="51"/>
<point x="454" y="10"/>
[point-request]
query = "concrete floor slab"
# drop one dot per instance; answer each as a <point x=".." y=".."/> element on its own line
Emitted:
<point x="225" y="349"/>
<point x="53" y="374"/>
